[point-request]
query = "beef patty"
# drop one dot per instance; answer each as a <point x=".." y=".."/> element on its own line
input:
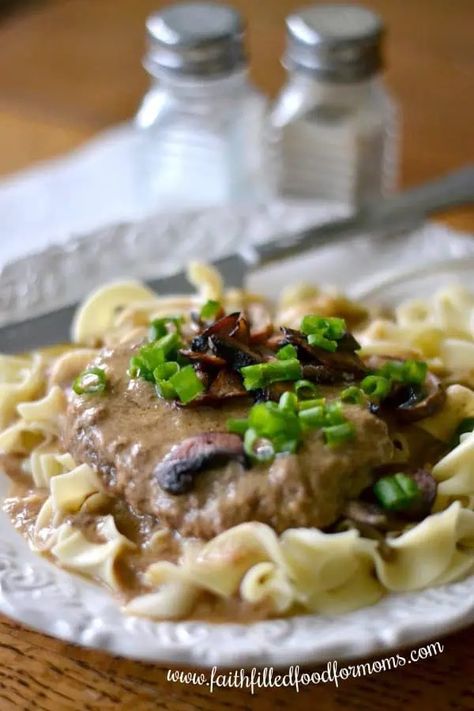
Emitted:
<point x="126" y="431"/>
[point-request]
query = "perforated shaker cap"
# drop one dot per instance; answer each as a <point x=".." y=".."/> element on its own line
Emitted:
<point x="195" y="39"/>
<point x="340" y="43"/>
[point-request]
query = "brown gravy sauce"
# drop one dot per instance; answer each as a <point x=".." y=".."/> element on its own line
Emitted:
<point x="24" y="502"/>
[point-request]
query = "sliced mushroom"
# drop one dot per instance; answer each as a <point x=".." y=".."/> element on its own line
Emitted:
<point x="367" y="513"/>
<point x="235" y="353"/>
<point x="275" y="390"/>
<point x="227" y="384"/>
<point x="206" y="360"/>
<point x="224" y="326"/>
<point x="348" y="343"/>
<point x="241" y="330"/>
<point x="176" y="473"/>
<point x="345" y="362"/>
<point x="411" y="403"/>
<point x="322" y="375"/>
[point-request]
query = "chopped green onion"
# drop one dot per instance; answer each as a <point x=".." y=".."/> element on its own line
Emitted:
<point x="263" y="374"/>
<point x="90" y="382"/>
<point x="332" y="327"/>
<point x="287" y="352"/>
<point x="409" y="371"/>
<point x="465" y="426"/>
<point x="320" y="340"/>
<point x="258" y="448"/>
<point x="322" y="414"/>
<point x="288" y="401"/>
<point x="210" y="310"/>
<point x="165" y="390"/>
<point x="253" y="376"/>
<point x="334" y="414"/>
<point x="272" y="422"/>
<point x="164" y="371"/>
<point x="285" y="446"/>
<point x="238" y="425"/>
<point x="336" y="434"/>
<point x="308" y="404"/>
<point x="396" y="492"/>
<point x="305" y="389"/>
<point x="187" y="384"/>
<point x="153" y="354"/>
<point x="168" y="345"/>
<point x="415" y="371"/>
<point x="162" y="375"/>
<point x="158" y="327"/>
<point x="353" y="394"/>
<point x="313" y="417"/>
<point x="376" y="386"/>
<point x="135" y="367"/>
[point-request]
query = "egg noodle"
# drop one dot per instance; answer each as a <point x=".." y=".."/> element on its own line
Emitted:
<point x="303" y="569"/>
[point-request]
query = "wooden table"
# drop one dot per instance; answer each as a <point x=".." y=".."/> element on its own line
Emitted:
<point x="69" y="68"/>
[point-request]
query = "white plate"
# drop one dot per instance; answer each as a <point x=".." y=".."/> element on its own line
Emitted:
<point x="36" y="593"/>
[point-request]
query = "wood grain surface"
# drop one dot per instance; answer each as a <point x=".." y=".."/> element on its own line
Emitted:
<point x="69" y="68"/>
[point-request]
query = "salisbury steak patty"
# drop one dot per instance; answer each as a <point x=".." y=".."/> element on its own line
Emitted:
<point x="127" y="431"/>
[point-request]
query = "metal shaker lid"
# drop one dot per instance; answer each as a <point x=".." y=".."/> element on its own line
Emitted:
<point x="340" y="43"/>
<point x="195" y="39"/>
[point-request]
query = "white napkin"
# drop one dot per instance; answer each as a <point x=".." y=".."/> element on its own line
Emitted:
<point x="89" y="188"/>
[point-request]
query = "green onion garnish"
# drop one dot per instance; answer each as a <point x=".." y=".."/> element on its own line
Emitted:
<point x="305" y="389"/>
<point x="353" y="394"/>
<point x="336" y="434"/>
<point x="187" y="384"/>
<point x="238" y="425"/>
<point x="165" y="371"/>
<point x="162" y="374"/>
<point x="308" y="404"/>
<point x="408" y="371"/>
<point x="313" y="416"/>
<point x="287" y="352"/>
<point x="376" y="386"/>
<point x="322" y="414"/>
<point x="323" y="332"/>
<point x="152" y="355"/>
<point x="288" y="401"/>
<point x="159" y="326"/>
<point x="396" y="492"/>
<point x="263" y="374"/>
<point x="273" y="428"/>
<point x="210" y="310"/>
<point x="258" y="448"/>
<point x="332" y="327"/>
<point x="320" y="340"/>
<point x="90" y="382"/>
<point x="165" y="390"/>
<point x="334" y="414"/>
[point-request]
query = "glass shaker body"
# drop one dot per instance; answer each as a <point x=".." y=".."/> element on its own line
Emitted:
<point x="202" y="141"/>
<point x="336" y="141"/>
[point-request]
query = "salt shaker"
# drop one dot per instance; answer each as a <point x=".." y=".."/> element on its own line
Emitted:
<point x="202" y="121"/>
<point x="334" y="123"/>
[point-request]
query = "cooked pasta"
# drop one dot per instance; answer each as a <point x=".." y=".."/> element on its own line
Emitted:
<point x="272" y="538"/>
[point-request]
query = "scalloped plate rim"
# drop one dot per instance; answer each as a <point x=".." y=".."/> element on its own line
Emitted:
<point x="396" y="620"/>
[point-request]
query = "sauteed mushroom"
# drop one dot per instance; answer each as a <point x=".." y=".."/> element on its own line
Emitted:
<point x="341" y="361"/>
<point x="176" y="473"/>
<point x="234" y="352"/>
<point x="411" y="403"/>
